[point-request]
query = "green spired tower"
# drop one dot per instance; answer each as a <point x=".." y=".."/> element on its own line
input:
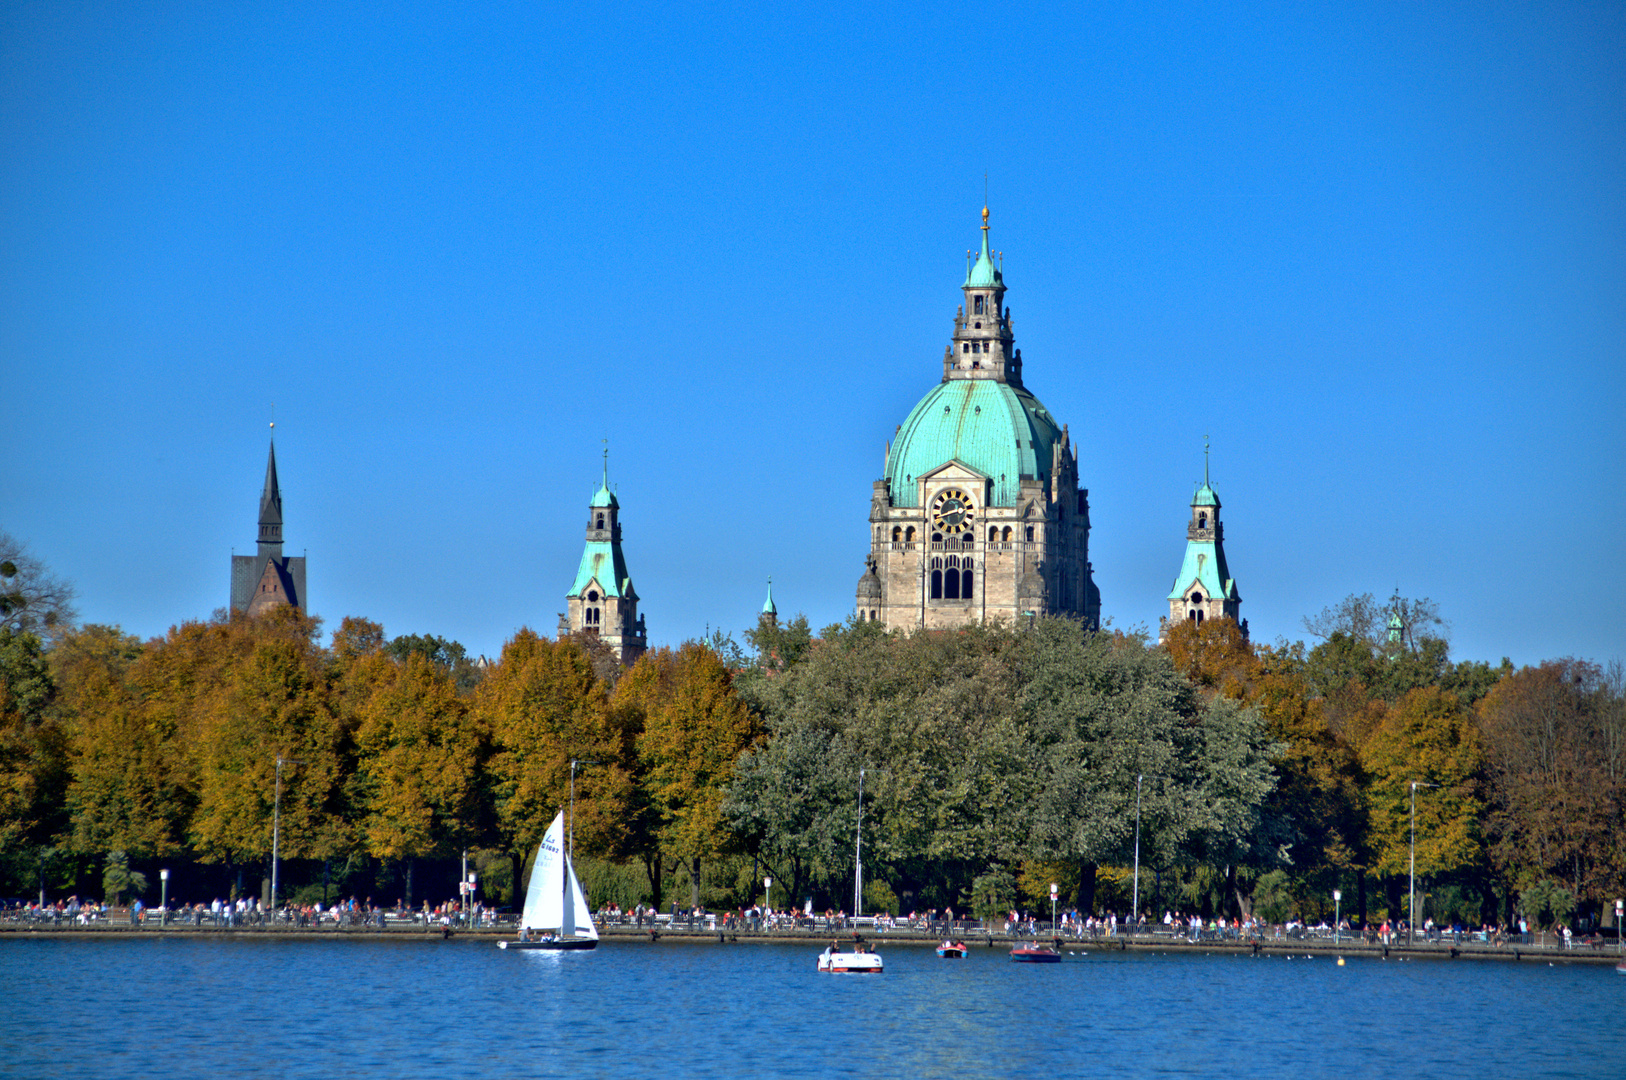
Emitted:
<point x="601" y="601"/>
<point x="1204" y="588"/>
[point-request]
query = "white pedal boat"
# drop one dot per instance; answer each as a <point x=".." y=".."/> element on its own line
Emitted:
<point x="854" y="962"/>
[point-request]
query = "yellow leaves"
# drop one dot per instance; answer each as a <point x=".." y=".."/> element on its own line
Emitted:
<point x="418" y="753"/>
<point x="1428" y="737"/>
<point x="544" y="706"/>
<point x="694" y="729"/>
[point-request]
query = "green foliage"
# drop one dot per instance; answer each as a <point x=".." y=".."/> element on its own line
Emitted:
<point x="1273" y="897"/>
<point x="993" y="895"/>
<point x="879" y="899"/>
<point x="118" y="879"/>
<point x="447" y="656"/>
<point x="1546" y="903"/>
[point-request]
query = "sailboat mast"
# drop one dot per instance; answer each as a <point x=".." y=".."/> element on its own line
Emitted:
<point x="569" y="908"/>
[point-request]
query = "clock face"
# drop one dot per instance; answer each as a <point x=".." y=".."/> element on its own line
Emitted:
<point x="952" y="512"/>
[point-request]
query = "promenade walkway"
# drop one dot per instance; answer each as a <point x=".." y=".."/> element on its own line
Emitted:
<point x="667" y="932"/>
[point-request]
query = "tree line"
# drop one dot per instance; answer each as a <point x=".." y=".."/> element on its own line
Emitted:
<point x="996" y="760"/>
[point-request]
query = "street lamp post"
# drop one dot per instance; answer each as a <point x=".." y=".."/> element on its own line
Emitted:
<point x="1134" y="903"/>
<point x="858" y="852"/>
<point x="1411" y="916"/>
<point x="1053" y="890"/>
<point x="276" y="828"/>
<point x="163" y="898"/>
<point x="1337" y="909"/>
<point x="767" y="900"/>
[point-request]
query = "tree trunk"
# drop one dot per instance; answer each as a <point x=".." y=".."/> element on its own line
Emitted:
<point x="694" y="882"/>
<point x="1244" y="905"/>
<point x="409" y="863"/>
<point x="1360" y="893"/>
<point x="1085" y="898"/>
<point x="652" y="867"/>
<point x="516" y="863"/>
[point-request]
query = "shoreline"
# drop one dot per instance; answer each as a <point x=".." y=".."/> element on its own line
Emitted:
<point x="626" y="935"/>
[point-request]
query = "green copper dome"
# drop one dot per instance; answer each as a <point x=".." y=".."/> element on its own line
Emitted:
<point x="1000" y="430"/>
<point x="1205" y="496"/>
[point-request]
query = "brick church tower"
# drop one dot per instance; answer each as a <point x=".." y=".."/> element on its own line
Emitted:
<point x="267" y="578"/>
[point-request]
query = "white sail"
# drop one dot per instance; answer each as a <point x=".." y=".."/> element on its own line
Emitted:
<point x="584" y="916"/>
<point x="544" y="907"/>
<point x="554" y="899"/>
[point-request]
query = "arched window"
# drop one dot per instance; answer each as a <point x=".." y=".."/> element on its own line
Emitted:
<point x="1202" y="521"/>
<point x="965" y="348"/>
<point x="1005" y="535"/>
<point x="1199" y="618"/>
<point x="909" y="535"/>
<point x="937" y="538"/>
<point x="966" y="583"/>
<point x="592" y="618"/>
<point x="1030" y="534"/>
<point x="976" y="306"/>
<point x="872" y="616"/>
<point x="601" y="521"/>
<point x="951" y="579"/>
<point x="966" y="539"/>
<point x="937" y="584"/>
<point x="897" y="533"/>
<point x="993" y="534"/>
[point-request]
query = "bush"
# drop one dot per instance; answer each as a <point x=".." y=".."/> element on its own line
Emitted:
<point x="993" y="895"/>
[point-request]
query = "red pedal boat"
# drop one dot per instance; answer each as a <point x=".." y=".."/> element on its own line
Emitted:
<point x="952" y="950"/>
<point x="1035" y="953"/>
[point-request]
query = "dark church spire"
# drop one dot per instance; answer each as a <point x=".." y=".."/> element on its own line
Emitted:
<point x="271" y="508"/>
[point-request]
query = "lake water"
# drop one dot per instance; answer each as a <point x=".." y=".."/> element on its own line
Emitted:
<point x="250" y="1007"/>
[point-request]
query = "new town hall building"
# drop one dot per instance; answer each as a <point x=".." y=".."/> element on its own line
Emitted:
<point x="979" y="516"/>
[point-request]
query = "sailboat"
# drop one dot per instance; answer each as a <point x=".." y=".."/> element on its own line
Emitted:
<point x="556" y="914"/>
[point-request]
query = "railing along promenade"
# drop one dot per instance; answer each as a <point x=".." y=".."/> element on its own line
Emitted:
<point x="727" y="929"/>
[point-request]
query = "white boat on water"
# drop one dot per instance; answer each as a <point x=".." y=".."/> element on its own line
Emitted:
<point x="860" y="961"/>
<point x="556" y="914"/>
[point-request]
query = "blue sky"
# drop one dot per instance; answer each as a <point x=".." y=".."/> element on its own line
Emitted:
<point x="1376" y="252"/>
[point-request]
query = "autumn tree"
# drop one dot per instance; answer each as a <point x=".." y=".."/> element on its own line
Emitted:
<point x="32" y="753"/>
<point x="251" y="690"/>
<point x="693" y="728"/>
<point x="129" y="790"/>
<point x="416" y="785"/>
<point x="1429" y="738"/>
<point x="1314" y="815"/>
<point x="1554" y="790"/>
<point x="544" y="707"/>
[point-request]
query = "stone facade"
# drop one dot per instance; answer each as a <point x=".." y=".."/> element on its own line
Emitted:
<point x="980" y="516"/>
<point x="1204" y="589"/>
<point x="602" y="602"/>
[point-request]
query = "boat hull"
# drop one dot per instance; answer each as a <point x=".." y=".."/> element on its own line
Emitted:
<point x="570" y="945"/>
<point x="1036" y="956"/>
<point x="851" y="963"/>
<point x="951" y="952"/>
